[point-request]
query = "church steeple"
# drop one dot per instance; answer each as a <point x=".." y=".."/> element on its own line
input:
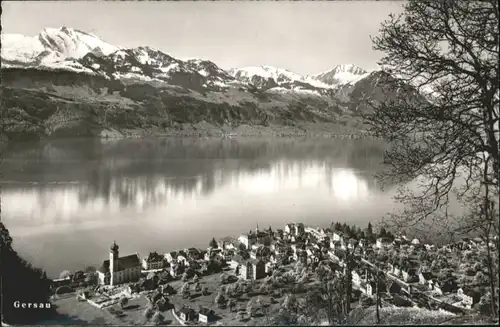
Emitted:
<point x="113" y="262"/>
<point x="114" y="247"/>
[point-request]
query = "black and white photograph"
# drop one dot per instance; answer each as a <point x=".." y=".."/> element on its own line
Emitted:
<point x="249" y="163"/>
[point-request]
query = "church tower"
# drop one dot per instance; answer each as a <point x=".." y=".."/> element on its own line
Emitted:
<point x="113" y="262"/>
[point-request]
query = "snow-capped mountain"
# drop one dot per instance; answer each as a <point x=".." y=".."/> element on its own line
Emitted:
<point x="341" y="75"/>
<point x="267" y="77"/>
<point x="52" y="45"/>
<point x="279" y="75"/>
<point x="278" y="79"/>
<point x="72" y="50"/>
<point x="64" y="73"/>
<point x="148" y="64"/>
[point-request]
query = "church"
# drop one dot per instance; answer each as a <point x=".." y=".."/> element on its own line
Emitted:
<point x="118" y="270"/>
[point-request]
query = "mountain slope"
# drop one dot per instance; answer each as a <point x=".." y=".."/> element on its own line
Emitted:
<point x="267" y="77"/>
<point x="51" y="45"/>
<point x="341" y="75"/>
<point x="66" y="82"/>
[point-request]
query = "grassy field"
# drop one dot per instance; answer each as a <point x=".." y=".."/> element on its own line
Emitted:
<point x="225" y="315"/>
<point x="72" y="311"/>
<point x="401" y="316"/>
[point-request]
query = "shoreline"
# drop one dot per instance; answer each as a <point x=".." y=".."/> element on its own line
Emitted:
<point x="207" y="130"/>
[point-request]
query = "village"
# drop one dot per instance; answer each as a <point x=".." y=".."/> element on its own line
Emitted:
<point x="266" y="274"/>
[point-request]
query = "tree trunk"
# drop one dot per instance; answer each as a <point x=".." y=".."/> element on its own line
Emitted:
<point x="488" y="212"/>
<point x="491" y="274"/>
<point x="377" y="292"/>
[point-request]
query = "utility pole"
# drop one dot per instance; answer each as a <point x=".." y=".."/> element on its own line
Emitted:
<point x="377" y="280"/>
<point x="377" y="304"/>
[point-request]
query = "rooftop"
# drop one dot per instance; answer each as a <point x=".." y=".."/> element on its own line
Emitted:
<point x="130" y="261"/>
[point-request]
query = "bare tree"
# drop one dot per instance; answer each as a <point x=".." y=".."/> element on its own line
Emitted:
<point x="446" y="141"/>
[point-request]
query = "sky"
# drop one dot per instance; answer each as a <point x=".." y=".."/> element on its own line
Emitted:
<point x="305" y="37"/>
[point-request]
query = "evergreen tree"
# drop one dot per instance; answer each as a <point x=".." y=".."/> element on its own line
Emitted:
<point x="21" y="282"/>
<point x="185" y="291"/>
<point x="345" y="228"/>
<point x="369" y="230"/>
<point x="336" y="227"/>
<point x="213" y="243"/>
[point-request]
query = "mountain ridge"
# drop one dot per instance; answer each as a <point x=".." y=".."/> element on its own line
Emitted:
<point x="75" y="84"/>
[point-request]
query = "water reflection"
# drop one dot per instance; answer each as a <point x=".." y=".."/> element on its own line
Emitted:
<point x="56" y="202"/>
<point x="158" y="195"/>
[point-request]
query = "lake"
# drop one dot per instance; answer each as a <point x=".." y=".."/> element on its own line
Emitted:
<point x="66" y="201"/>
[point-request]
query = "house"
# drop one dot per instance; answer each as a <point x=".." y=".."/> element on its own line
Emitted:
<point x="118" y="270"/>
<point x="429" y="247"/>
<point x="343" y="244"/>
<point x="337" y="236"/>
<point x="237" y="260"/>
<point x="167" y="289"/>
<point x="227" y="254"/>
<point x="445" y="287"/>
<point x="193" y="265"/>
<point x="313" y="256"/>
<point x="263" y="237"/>
<point x="294" y="229"/>
<point x="335" y="244"/>
<point x="383" y="242"/>
<point x="366" y="251"/>
<point x="393" y="288"/>
<point x="253" y="269"/>
<point x="259" y="252"/>
<point x="187" y="314"/>
<point x="177" y="269"/>
<point x="351" y="243"/>
<point x="226" y="243"/>
<point x="409" y="274"/>
<point x="152" y="275"/>
<point x="282" y="249"/>
<point x="397" y="270"/>
<point x="415" y="241"/>
<point x="356" y="278"/>
<point x="61" y="281"/>
<point x="298" y="247"/>
<point x="182" y="257"/>
<point x="206" y="315"/>
<point x="171" y="256"/>
<point x="211" y="254"/>
<point x="193" y="253"/>
<point x="469" y="297"/>
<point x="153" y="261"/>
<point x="289" y="229"/>
<point x="396" y="243"/>
<point x="248" y="239"/>
<point x="424" y="277"/>
<point x="363" y="243"/>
